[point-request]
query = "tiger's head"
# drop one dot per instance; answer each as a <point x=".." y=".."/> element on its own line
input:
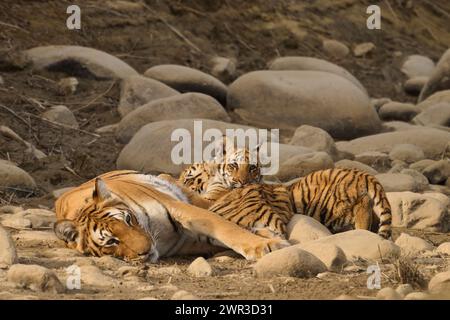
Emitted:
<point x="196" y="176"/>
<point x="107" y="227"/>
<point x="240" y="167"/>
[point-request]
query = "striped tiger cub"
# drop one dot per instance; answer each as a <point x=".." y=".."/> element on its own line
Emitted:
<point x="264" y="209"/>
<point x="343" y="199"/>
<point x="214" y="178"/>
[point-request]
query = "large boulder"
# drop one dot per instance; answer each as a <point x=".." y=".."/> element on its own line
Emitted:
<point x="419" y="211"/>
<point x="185" y="79"/>
<point x="361" y="244"/>
<point x="439" y="78"/>
<point x="304" y="164"/>
<point x="288" y="99"/>
<point x="14" y="178"/>
<point x="350" y="164"/>
<point x="431" y="141"/>
<point x="313" y="64"/>
<point x="151" y="147"/>
<point x="79" y="61"/>
<point x="398" y="182"/>
<point x="314" y="138"/>
<point x="438" y="114"/>
<point x="182" y="106"/>
<point x="136" y="91"/>
<point x="410" y="245"/>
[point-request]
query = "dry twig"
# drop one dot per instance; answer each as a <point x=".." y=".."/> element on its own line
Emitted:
<point x="63" y="126"/>
<point x="13" y="26"/>
<point x="96" y="98"/>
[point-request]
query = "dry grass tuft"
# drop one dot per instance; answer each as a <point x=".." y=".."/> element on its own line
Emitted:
<point x="406" y="271"/>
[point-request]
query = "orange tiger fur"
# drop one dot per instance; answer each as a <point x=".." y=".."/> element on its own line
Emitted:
<point x="262" y="208"/>
<point x="343" y="199"/>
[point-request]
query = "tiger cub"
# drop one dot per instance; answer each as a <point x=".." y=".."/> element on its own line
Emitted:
<point x="234" y="169"/>
<point x="343" y="199"/>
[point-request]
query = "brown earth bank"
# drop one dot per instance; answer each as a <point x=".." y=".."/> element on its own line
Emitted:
<point x="147" y="33"/>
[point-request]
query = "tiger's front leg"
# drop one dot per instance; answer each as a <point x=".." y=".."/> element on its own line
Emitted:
<point x="203" y="222"/>
<point x="193" y="197"/>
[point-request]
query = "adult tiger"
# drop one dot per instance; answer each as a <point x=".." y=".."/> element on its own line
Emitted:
<point x="137" y="217"/>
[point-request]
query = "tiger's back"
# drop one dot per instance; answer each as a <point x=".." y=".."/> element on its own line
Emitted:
<point x="343" y="199"/>
<point x="262" y="208"/>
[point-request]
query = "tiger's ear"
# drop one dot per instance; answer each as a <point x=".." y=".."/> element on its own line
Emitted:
<point x="255" y="152"/>
<point x="101" y="192"/>
<point x="219" y="149"/>
<point x="66" y="230"/>
<point x="257" y="147"/>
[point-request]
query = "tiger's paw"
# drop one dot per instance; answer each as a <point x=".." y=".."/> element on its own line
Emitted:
<point x="263" y="247"/>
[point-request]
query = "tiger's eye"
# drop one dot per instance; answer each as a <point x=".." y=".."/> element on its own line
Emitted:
<point x="112" y="242"/>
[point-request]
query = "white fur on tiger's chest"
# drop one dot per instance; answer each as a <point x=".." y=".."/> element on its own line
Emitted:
<point x="156" y="220"/>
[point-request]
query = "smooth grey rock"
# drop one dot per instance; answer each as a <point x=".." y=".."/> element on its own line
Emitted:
<point x="79" y="61"/>
<point x="431" y="141"/>
<point x="289" y="99"/>
<point x="419" y="211"/>
<point x="61" y="115"/>
<point x="184" y="106"/>
<point x="313" y="64"/>
<point x="185" y="79"/>
<point x="138" y="90"/>
<point x="35" y="277"/>
<point x="289" y="262"/>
